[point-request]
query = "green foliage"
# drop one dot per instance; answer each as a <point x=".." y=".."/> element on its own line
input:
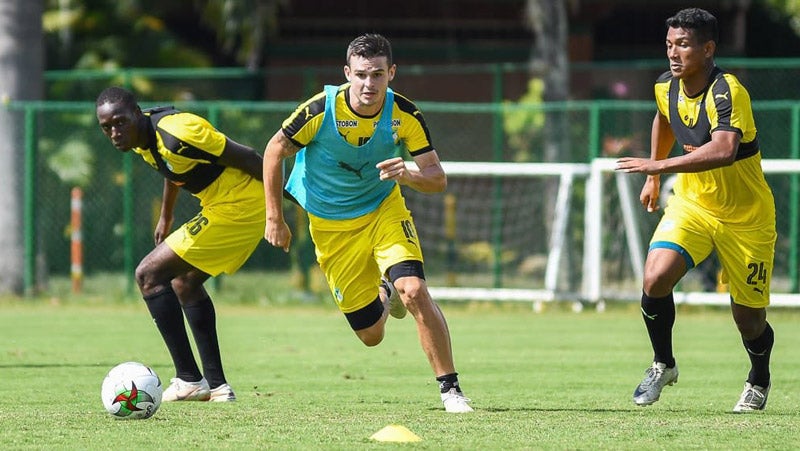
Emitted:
<point x="243" y="26"/>
<point x="109" y="34"/>
<point x="790" y="8"/>
<point x="523" y="121"/>
<point x="87" y="34"/>
<point x="555" y="380"/>
<point x="72" y="162"/>
<point x="67" y="152"/>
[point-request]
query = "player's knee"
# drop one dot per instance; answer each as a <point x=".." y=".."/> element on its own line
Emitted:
<point x="750" y="329"/>
<point x="367" y="322"/>
<point x="144" y="277"/>
<point x="187" y="286"/>
<point x="657" y="284"/>
<point x="372" y="336"/>
<point x="414" y="293"/>
<point x="750" y="322"/>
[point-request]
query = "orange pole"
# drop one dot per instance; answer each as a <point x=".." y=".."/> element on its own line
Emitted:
<point x="76" y="245"/>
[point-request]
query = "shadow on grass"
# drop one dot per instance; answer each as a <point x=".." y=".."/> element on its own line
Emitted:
<point x="563" y="409"/>
<point x="58" y="365"/>
<point x="637" y="410"/>
<point x="546" y="409"/>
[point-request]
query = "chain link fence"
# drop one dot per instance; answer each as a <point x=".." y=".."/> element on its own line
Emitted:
<point x="475" y="113"/>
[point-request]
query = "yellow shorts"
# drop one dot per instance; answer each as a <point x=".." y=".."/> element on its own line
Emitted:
<point x="223" y="235"/>
<point x="746" y="254"/>
<point x="354" y="253"/>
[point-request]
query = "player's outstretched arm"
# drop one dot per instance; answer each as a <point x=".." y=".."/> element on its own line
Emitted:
<point x="719" y="152"/>
<point x="428" y="177"/>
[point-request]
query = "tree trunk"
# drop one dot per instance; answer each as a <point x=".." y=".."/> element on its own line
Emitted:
<point x="550" y="58"/>
<point x="548" y="20"/>
<point x="21" y="66"/>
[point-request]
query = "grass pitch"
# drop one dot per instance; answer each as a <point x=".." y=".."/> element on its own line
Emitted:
<point x="553" y="380"/>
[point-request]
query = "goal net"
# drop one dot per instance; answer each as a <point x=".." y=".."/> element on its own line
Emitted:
<point x="540" y="232"/>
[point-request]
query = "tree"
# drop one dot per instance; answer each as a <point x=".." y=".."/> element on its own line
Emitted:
<point x="92" y="34"/>
<point x="243" y="27"/>
<point x="21" y="51"/>
<point x="548" y="21"/>
<point x="550" y="61"/>
<point x="790" y="8"/>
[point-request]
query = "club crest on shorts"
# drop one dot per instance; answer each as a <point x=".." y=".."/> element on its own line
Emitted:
<point x="667" y="225"/>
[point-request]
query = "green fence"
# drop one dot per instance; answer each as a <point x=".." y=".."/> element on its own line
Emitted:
<point x="65" y="148"/>
<point x="766" y="79"/>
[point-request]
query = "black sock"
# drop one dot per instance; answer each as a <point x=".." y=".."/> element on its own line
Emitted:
<point x="202" y="319"/>
<point x="659" y="317"/>
<point x="166" y="312"/>
<point x="447" y="382"/>
<point x="759" y="351"/>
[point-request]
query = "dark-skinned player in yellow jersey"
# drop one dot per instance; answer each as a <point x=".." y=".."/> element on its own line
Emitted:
<point x="226" y="177"/>
<point x="721" y="202"/>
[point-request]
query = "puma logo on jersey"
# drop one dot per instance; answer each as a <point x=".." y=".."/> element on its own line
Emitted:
<point x="721" y="96"/>
<point x="355" y="171"/>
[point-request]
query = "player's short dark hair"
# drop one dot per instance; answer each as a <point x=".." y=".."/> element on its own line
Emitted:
<point x="115" y="94"/>
<point x="700" y="21"/>
<point x="370" y="45"/>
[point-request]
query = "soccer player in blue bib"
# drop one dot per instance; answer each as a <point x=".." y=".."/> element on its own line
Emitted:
<point x="346" y="176"/>
<point x="721" y="202"/>
<point x="226" y="177"/>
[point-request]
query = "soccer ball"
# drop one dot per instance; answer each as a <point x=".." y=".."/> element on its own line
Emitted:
<point x="131" y="390"/>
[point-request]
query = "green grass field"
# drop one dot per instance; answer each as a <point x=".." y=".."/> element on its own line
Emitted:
<point x="554" y="380"/>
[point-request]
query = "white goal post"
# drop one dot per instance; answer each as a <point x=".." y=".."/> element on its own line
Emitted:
<point x="632" y="242"/>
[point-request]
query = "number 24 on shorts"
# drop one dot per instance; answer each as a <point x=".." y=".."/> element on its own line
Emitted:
<point x="757" y="273"/>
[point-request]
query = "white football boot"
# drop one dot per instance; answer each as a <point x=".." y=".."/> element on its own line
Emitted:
<point x="656" y="378"/>
<point x="223" y="393"/>
<point x="396" y="307"/>
<point x="754" y="397"/>
<point x="455" y="402"/>
<point x="180" y="390"/>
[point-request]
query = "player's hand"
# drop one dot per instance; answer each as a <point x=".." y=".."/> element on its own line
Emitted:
<point x="392" y="169"/>
<point x="650" y="193"/>
<point x="277" y="233"/>
<point x="162" y="230"/>
<point x="639" y="165"/>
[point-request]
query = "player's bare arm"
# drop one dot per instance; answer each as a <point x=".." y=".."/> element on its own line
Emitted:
<point x="242" y="157"/>
<point x="278" y="148"/>
<point x="428" y="177"/>
<point x="719" y="152"/>
<point x="165" y="219"/>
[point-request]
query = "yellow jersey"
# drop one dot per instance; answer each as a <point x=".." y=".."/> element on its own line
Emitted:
<point x="734" y="194"/>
